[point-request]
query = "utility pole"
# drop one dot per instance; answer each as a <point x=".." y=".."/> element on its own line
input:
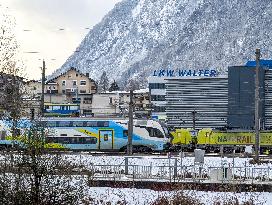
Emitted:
<point x="130" y="124"/>
<point x="257" y="102"/>
<point x="43" y="85"/>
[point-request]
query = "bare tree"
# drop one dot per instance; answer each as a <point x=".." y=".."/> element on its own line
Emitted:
<point x="33" y="175"/>
<point x="29" y="173"/>
<point x="9" y="46"/>
<point x="12" y="89"/>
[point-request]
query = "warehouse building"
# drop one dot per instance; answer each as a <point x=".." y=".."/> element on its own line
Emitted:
<point x="202" y="99"/>
<point x="190" y="98"/>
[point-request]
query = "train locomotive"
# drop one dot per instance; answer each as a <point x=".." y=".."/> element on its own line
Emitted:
<point x="212" y="140"/>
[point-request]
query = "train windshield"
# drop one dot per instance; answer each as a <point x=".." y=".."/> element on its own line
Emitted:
<point x="165" y="129"/>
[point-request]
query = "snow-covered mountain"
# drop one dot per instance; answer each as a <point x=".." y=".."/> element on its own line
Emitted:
<point x="138" y="36"/>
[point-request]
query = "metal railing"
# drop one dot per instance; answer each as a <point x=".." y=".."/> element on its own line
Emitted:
<point x="180" y="173"/>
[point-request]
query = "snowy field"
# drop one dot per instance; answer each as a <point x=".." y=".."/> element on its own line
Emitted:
<point x="146" y="197"/>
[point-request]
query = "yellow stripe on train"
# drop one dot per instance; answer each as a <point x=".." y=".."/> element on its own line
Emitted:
<point x="89" y="133"/>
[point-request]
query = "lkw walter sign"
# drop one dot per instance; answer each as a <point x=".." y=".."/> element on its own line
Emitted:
<point x="185" y="73"/>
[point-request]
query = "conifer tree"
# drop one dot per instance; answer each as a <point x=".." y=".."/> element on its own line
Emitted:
<point x="103" y="85"/>
<point x="114" y="86"/>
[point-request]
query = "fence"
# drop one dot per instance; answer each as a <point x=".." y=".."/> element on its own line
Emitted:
<point x="176" y="172"/>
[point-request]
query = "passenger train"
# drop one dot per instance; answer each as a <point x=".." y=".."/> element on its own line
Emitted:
<point x="100" y="134"/>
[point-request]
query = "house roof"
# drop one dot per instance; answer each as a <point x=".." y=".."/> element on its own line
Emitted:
<point x="72" y="68"/>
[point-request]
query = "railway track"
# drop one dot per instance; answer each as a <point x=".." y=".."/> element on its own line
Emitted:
<point x="165" y="154"/>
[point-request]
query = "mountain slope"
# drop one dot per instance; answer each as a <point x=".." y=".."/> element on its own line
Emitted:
<point x="138" y="36"/>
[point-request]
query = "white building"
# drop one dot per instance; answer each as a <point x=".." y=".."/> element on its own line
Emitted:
<point x="157" y="93"/>
<point x="116" y="103"/>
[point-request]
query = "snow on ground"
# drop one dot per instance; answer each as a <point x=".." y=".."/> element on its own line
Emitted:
<point x="88" y="160"/>
<point x="146" y="197"/>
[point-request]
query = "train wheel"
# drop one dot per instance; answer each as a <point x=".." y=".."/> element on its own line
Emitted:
<point x="123" y="149"/>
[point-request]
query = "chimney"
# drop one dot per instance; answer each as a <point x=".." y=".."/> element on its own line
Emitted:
<point x="87" y="74"/>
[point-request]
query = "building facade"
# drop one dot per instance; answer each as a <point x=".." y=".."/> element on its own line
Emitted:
<point x="242" y="95"/>
<point x="197" y="102"/>
<point x="241" y="92"/>
<point x="72" y="87"/>
<point x="157" y="93"/>
<point x="116" y="103"/>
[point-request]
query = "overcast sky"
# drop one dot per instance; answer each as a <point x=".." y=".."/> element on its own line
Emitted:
<point x="44" y="19"/>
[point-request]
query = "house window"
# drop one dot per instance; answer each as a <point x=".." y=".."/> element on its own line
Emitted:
<point x="82" y="91"/>
<point x="63" y="82"/>
<point x="76" y="74"/>
<point x="74" y="82"/>
<point x="63" y="91"/>
<point x="83" y="82"/>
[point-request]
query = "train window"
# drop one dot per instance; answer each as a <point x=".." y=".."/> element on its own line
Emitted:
<point x="56" y="107"/>
<point x="106" y="137"/>
<point x="91" y="124"/>
<point x="51" y="124"/>
<point x="63" y="140"/>
<point x="73" y="107"/>
<point x="91" y="140"/>
<point x="64" y="124"/>
<point x="154" y="132"/>
<point x="73" y="140"/>
<point x="102" y="124"/>
<point x="81" y="140"/>
<point x="51" y="140"/>
<point x="78" y="124"/>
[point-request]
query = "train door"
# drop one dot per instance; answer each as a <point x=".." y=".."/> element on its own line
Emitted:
<point x="106" y="139"/>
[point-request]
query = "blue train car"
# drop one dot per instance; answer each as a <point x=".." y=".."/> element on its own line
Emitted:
<point x="51" y="109"/>
<point x="105" y="134"/>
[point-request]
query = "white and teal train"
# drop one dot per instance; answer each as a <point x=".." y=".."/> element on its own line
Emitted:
<point x="104" y="134"/>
